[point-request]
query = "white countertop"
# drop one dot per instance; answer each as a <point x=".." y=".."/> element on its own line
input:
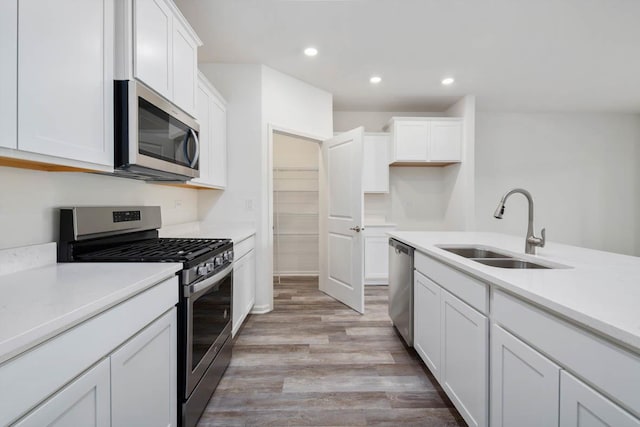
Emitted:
<point x="40" y="303"/>
<point x="601" y="291"/>
<point x="237" y="233"/>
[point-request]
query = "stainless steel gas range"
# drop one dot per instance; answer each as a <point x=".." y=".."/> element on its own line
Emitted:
<point x="130" y="234"/>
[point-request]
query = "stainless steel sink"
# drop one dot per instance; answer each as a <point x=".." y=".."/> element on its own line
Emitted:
<point x="510" y="263"/>
<point x="471" y="252"/>
<point x="494" y="257"/>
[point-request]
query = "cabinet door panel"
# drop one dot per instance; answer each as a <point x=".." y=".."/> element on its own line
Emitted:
<point x="376" y="259"/>
<point x="375" y="165"/>
<point x="464" y="347"/>
<point x="8" y="72"/>
<point x="411" y="140"/>
<point x="243" y="289"/>
<point x="426" y="326"/>
<point x="185" y="69"/>
<point x="144" y="371"/>
<point x="581" y="406"/>
<point x="525" y="386"/>
<point x="203" y="114"/>
<point x="153" y="43"/>
<point x="84" y="402"/>
<point x="65" y="79"/>
<point x="446" y="141"/>
<point x="218" y="154"/>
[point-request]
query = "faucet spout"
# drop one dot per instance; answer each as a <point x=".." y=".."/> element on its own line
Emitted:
<point x="531" y="241"/>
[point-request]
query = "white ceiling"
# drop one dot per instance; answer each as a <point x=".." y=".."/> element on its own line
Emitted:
<point x="516" y="55"/>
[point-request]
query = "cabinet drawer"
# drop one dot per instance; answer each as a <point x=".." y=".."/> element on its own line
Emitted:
<point x="243" y="247"/>
<point x="613" y="370"/>
<point x="468" y="289"/>
<point x="36" y="374"/>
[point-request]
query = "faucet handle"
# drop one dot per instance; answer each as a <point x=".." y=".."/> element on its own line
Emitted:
<point x="543" y="240"/>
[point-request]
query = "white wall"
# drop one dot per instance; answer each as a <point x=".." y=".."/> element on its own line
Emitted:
<point x="257" y="97"/>
<point x="30" y="199"/>
<point x="240" y="85"/>
<point x="582" y="169"/>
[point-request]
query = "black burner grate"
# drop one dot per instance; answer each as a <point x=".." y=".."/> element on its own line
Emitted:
<point x="156" y="250"/>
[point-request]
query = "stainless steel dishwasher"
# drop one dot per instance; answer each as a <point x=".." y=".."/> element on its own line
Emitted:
<point x="401" y="288"/>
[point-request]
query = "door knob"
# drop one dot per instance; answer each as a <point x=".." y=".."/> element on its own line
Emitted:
<point x="356" y="228"/>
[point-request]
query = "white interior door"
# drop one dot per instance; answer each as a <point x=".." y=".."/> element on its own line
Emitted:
<point x="341" y="247"/>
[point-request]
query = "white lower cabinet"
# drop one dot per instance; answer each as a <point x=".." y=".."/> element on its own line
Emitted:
<point x="452" y="338"/>
<point x="525" y="385"/>
<point x="426" y="318"/>
<point x="84" y="402"/>
<point x="244" y="282"/>
<point x="464" y="369"/>
<point x="117" y="368"/>
<point x="376" y="255"/>
<point x="581" y="406"/>
<point x="532" y="352"/>
<point x="143" y="376"/>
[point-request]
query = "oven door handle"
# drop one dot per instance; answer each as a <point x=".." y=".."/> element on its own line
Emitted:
<point x="208" y="283"/>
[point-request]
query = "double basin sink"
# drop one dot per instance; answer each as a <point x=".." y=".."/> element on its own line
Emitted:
<point x="495" y="258"/>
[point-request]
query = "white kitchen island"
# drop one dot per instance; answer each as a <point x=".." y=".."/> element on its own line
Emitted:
<point x="557" y="346"/>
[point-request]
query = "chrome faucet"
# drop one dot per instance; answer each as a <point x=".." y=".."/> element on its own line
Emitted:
<point x="531" y="241"/>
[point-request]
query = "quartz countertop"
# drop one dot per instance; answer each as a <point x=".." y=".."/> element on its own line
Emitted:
<point x="40" y="303"/>
<point x="599" y="290"/>
<point x="237" y="233"/>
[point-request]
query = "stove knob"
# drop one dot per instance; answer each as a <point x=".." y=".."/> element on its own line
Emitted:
<point x="202" y="270"/>
<point x="210" y="266"/>
<point x="219" y="260"/>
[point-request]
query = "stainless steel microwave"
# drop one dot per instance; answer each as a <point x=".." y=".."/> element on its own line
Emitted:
<point x="154" y="140"/>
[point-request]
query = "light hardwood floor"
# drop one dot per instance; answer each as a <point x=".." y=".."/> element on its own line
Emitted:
<point x="315" y="362"/>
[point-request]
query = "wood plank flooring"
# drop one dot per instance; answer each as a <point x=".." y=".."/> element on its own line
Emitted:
<point x="315" y="362"/>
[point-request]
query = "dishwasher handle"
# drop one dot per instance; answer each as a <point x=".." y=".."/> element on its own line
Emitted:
<point x="400" y="247"/>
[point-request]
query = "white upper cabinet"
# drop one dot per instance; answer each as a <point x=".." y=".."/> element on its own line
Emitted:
<point x="425" y="140"/>
<point x="375" y="167"/>
<point x="8" y="72"/>
<point x="65" y="79"/>
<point x="153" y="43"/>
<point x="218" y="153"/>
<point x="212" y="116"/>
<point x="161" y="51"/>
<point x="446" y="141"/>
<point x="185" y="68"/>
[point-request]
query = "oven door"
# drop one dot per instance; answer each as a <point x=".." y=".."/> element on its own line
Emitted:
<point x="208" y="305"/>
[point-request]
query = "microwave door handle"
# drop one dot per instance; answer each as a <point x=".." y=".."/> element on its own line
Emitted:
<point x="197" y="155"/>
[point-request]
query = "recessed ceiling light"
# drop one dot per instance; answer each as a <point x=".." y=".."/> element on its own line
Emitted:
<point x="311" y="51"/>
<point x="375" y="79"/>
<point x="448" y="81"/>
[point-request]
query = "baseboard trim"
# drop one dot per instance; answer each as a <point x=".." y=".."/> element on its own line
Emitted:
<point x="261" y="309"/>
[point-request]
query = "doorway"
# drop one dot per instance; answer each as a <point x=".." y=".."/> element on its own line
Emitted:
<point x="295" y="169"/>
